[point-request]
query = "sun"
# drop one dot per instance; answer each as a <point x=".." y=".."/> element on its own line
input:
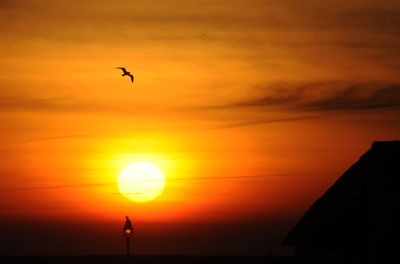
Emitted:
<point x="141" y="182"/>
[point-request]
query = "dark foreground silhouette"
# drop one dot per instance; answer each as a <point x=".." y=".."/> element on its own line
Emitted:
<point x="142" y="259"/>
<point x="357" y="219"/>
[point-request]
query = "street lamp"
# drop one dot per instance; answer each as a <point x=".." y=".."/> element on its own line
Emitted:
<point x="128" y="233"/>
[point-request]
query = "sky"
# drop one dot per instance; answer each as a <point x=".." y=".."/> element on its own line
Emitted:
<point x="252" y="109"/>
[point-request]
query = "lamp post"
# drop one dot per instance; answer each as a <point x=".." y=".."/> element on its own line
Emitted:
<point x="128" y="233"/>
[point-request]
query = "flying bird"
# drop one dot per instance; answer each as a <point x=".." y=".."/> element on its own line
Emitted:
<point x="126" y="73"/>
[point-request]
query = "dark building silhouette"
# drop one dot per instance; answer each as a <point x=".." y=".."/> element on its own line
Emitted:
<point x="357" y="219"/>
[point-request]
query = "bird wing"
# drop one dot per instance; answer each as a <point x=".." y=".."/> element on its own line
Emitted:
<point x="123" y="69"/>
<point x="131" y="77"/>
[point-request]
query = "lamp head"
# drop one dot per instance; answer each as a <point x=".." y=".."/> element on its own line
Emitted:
<point x="128" y="229"/>
<point x="128" y="232"/>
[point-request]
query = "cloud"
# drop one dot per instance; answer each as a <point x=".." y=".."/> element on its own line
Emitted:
<point x="8" y="4"/>
<point x="213" y="178"/>
<point x="264" y="121"/>
<point x="321" y="97"/>
<point x="357" y="97"/>
<point x="65" y="137"/>
<point x="373" y="19"/>
<point x="56" y="105"/>
<point x="57" y="187"/>
<point x="59" y="104"/>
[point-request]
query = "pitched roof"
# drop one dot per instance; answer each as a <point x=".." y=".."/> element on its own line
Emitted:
<point x="364" y="198"/>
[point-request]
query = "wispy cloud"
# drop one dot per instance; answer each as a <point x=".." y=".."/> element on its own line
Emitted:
<point x="71" y="104"/>
<point x="58" y="104"/>
<point x="264" y="121"/>
<point x="211" y="178"/>
<point x="63" y="137"/>
<point x="356" y="97"/>
<point x="321" y="96"/>
<point x="63" y="186"/>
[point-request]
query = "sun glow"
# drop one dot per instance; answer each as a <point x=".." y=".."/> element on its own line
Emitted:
<point x="141" y="182"/>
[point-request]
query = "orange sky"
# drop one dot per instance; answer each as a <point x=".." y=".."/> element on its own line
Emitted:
<point x="252" y="109"/>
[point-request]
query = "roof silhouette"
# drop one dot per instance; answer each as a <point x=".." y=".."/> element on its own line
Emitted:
<point x="363" y="201"/>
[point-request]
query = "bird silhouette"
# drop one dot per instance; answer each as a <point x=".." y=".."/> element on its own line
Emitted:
<point x="126" y="73"/>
